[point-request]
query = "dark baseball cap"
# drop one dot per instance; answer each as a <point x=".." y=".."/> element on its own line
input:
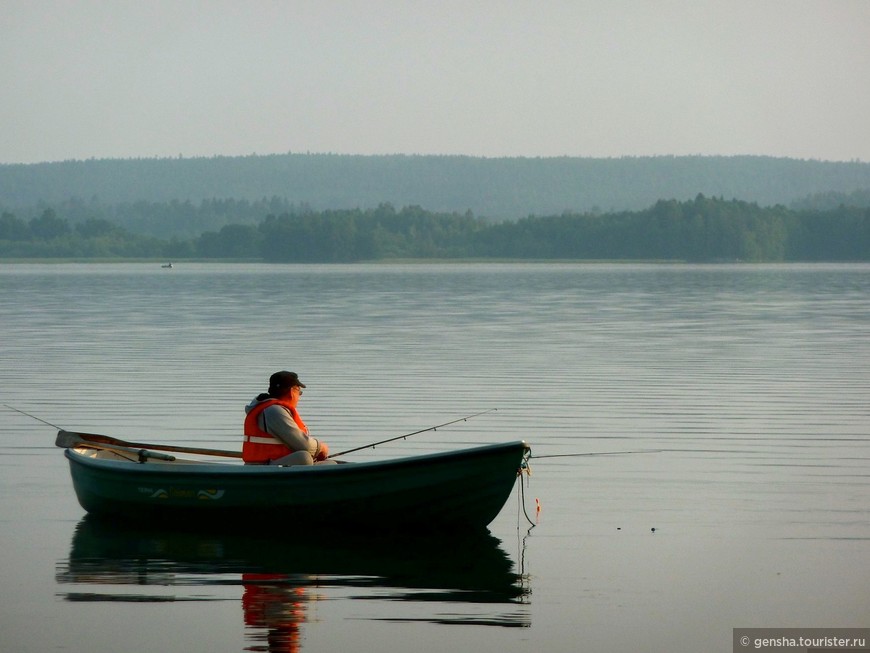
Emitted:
<point x="283" y="380"/>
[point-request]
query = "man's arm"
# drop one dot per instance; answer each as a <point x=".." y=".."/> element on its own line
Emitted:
<point x="278" y="422"/>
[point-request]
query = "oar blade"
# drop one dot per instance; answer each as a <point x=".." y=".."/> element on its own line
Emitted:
<point x="67" y="440"/>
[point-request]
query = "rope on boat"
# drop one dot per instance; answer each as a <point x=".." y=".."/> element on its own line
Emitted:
<point x="527" y="470"/>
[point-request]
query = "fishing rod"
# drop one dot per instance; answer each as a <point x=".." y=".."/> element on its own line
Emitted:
<point x="408" y="435"/>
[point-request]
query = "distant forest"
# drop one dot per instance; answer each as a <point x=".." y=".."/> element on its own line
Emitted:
<point x="700" y="229"/>
<point x="184" y="197"/>
<point x="326" y="207"/>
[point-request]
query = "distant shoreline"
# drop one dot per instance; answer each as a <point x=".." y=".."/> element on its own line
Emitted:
<point x="417" y="261"/>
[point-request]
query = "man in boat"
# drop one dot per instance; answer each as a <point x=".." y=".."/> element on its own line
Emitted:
<point x="274" y="432"/>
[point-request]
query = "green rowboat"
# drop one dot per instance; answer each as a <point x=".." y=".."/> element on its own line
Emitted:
<point x="463" y="489"/>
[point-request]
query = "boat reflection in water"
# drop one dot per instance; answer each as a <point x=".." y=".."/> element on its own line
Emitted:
<point x="281" y="576"/>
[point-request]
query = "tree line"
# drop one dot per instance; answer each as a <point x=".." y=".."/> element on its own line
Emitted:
<point x="505" y="188"/>
<point x="703" y="229"/>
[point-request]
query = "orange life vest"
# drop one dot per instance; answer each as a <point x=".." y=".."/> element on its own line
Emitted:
<point x="261" y="446"/>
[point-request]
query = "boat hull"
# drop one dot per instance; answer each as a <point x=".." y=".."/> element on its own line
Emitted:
<point x="465" y="489"/>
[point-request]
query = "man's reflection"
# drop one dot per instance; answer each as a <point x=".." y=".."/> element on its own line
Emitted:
<point x="270" y="602"/>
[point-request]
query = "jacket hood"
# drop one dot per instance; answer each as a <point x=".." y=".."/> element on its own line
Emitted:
<point x="259" y="399"/>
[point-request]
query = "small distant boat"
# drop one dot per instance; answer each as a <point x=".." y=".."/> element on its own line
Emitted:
<point x="463" y="489"/>
<point x="166" y="265"/>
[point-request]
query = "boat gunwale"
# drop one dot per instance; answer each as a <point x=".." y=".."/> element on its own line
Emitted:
<point x="204" y="468"/>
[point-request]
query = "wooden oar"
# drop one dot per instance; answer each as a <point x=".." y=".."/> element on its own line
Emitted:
<point x="68" y="439"/>
<point x="139" y="455"/>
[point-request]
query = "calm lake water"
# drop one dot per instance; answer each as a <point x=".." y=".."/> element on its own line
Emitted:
<point x="744" y="390"/>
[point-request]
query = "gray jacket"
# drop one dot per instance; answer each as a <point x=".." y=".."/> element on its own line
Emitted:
<point x="277" y="420"/>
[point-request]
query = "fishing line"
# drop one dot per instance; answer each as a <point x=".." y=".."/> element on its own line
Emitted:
<point x="38" y="419"/>
<point x="597" y="453"/>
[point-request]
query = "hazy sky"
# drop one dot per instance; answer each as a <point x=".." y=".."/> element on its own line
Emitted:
<point x="118" y="78"/>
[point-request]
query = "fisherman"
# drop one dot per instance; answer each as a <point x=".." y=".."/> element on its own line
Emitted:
<point x="274" y="432"/>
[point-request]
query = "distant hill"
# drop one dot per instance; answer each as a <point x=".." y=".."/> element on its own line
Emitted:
<point x="833" y="199"/>
<point x="501" y="188"/>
